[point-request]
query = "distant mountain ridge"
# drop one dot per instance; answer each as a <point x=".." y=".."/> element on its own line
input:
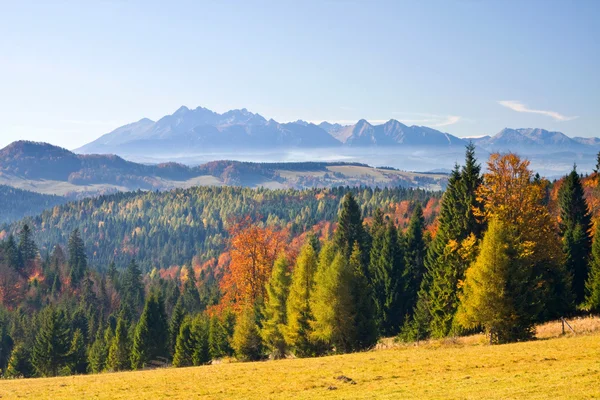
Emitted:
<point x="200" y="129"/>
<point x="535" y="139"/>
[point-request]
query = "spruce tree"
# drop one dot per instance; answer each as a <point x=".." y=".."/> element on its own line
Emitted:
<point x="592" y="300"/>
<point x="575" y="229"/>
<point x="132" y="288"/>
<point x="77" y="258"/>
<point x="275" y="312"/>
<point x="414" y="259"/>
<point x="350" y="229"/>
<point x="151" y="337"/>
<point x="176" y="320"/>
<point x="77" y="357"/>
<point x="119" y="350"/>
<point x="98" y="354"/>
<point x="386" y="269"/>
<point x="200" y="333"/>
<point x="364" y="307"/>
<point x="52" y="342"/>
<point x="27" y="250"/>
<point x="19" y="363"/>
<point x="218" y="337"/>
<point x="299" y="314"/>
<point x="184" y="347"/>
<point x="247" y="342"/>
<point x="190" y="295"/>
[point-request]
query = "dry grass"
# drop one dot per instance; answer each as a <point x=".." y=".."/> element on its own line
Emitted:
<point x="465" y="368"/>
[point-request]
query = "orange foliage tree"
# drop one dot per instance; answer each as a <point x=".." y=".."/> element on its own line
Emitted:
<point x="253" y="250"/>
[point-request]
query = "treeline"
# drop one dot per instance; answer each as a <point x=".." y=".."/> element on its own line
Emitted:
<point x="17" y="203"/>
<point x="170" y="228"/>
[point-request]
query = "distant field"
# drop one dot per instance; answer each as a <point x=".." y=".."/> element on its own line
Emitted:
<point x="339" y="175"/>
<point x="552" y="367"/>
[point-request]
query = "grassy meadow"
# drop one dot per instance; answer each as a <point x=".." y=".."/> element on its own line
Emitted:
<point x="553" y="366"/>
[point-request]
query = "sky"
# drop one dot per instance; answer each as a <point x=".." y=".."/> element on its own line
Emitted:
<point x="71" y="71"/>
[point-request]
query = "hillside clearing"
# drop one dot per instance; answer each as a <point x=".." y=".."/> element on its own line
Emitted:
<point x="563" y="367"/>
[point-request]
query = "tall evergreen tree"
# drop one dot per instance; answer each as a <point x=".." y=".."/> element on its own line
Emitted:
<point x="190" y="295"/>
<point x="120" y="349"/>
<point x="19" y="363"/>
<point x="27" y="249"/>
<point x="132" y="288"/>
<point x="151" y="337"/>
<point x="299" y="313"/>
<point x="218" y="336"/>
<point x="275" y="312"/>
<point x="247" y="342"/>
<point x="350" y="229"/>
<point x="414" y="260"/>
<point x="385" y="269"/>
<point x="184" y="347"/>
<point x="98" y="353"/>
<point x="77" y="357"/>
<point x="592" y="300"/>
<point x="176" y="320"/>
<point x="365" y="325"/>
<point x="77" y="258"/>
<point x="200" y="333"/>
<point x="575" y="228"/>
<point x="51" y="348"/>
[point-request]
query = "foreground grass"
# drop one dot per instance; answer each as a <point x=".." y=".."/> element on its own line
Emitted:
<point x="565" y="367"/>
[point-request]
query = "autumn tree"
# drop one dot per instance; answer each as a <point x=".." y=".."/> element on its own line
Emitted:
<point x="253" y="251"/>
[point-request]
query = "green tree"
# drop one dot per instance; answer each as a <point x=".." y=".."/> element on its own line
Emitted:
<point x="200" y="333"/>
<point x="332" y="305"/>
<point x="299" y="314"/>
<point x="219" y="334"/>
<point x="77" y="258"/>
<point x="176" y="320"/>
<point x="247" y="342"/>
<point x="275" y="312"/>
<point x="27" y="250"/>
<point x="185" y="344"/>
<point x="151" y="337"/>
<point x="19" y="363"/>
<point x="575" y="229"/>
<point x="350" y="228"/>
<point x="498" y="288"/>
<point x="77" y="357"/>
<point x="119" y="350"/>
<point x="414" y="261"/>
<point x="132" y="288"/>
<point x="98" y="354"/>
<point x="386" y="269"/>
<point x="365" y="326"/>
<point x="51" y="348"/>
<point x="592" y="300"/>
<point x="190" y="294"/>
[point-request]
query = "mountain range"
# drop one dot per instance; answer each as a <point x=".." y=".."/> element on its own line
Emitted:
<point x="194" y="131"/>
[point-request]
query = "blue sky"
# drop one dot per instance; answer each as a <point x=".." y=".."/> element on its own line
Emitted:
<point x="73" y="70"/>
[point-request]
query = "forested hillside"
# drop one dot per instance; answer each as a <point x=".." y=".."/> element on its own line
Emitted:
<point x="161" y="229"/>
<point x="251" y="274"/>
<point x="17" y="203"/>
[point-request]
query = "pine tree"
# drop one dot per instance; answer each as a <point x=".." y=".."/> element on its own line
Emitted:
<point x="414" y="258"/>
<point x="385" y="269"/>
<point x="275" y="313"/>
<point x="50" y="351"/>
<point x="119" y="350"/>
<point x="592" y="300"/>
<point x="77" y="258"/>
<point x="364" y="307"/>
<point x="299" y="314"/>
<point x="200" y="333"/>
<point x="218" y="337"/>
<point x="98" y="354"/>
<point x="191" y="297"/>
<point x="19" y="363"/>
<point x="247" y="342"/>
<point x="11" y="252"/>
<point x="27" y="250"/>
<point x="151" y="337"/>
<point x="176" y="320"/>
<point x="350" y="229"/>
<point x="575" y="228"/>
<point x="184" y="348"/>
<point x="132" y="288"/>
<point x="77" y="358"/>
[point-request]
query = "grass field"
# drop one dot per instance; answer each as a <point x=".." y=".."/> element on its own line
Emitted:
<point x="566" y="367"/>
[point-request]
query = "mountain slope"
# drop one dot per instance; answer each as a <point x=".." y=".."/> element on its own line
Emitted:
<point x="17" y="203"/>
<point x="530" y="139"/>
